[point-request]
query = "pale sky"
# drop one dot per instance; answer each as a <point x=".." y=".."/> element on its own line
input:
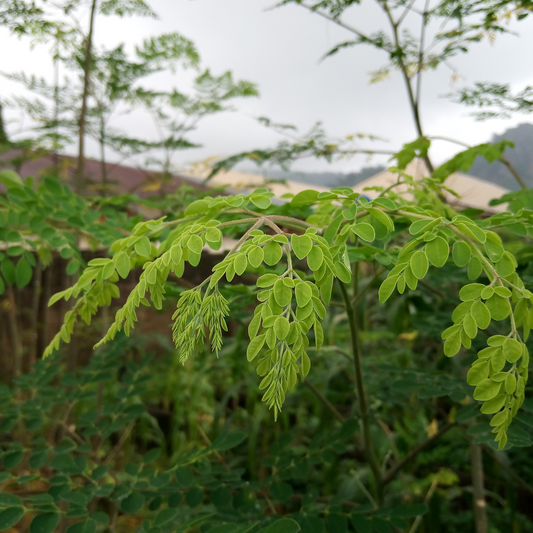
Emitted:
<point x="280" y="51"/>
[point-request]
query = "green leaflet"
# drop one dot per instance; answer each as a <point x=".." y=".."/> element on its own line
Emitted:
<point x="512" y="350"/>
<point x="23" y="272"/>
<point x="255" y="256"/>
<point x="301" y="245"/>
<point x="461" y="253"/>
<point x="385" y="219"/>
<point x="272" y="253"/>
<point x="267" y="280"/>
<point x="470" y="326"/>
<point x="471" y="291"/>
<point x="213" y="235"/>
<point x="474" y="268"/>
<point x="122" y="264"/>
<point x="452" y="345"/>
<point x="486" y="390"/>
<point x="282" y="293"/>
<point x="420" y="226"/>
<point x="478" y="373"/>
<point x="315" y="258"/>
<point x="365" y="231"/>
<point x="499" y="307"/>
<point x="506" y="265"/>
<point x="493" y="406"/>
<point x="195" y="244"/>
<point x="303" y="294"/>
<point x="331" y="230"/>
<point x="10" y="517"/>
<point x="306" y="197"/>
<point x="437" y="251"/>
<point x="387" y="288"/>
<point x="493" y="246"/>
<point x="240" y="264"/>
<point x="481" y="314"/>
<point x="281" y="327"/>
<point x="472" y="231"/>
<point x="419" y="264"/>
<point x="254" y="347"/>
<point x="143" y="247"/>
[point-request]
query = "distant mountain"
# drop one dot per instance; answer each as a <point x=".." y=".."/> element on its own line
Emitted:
<point x="521" y="157"/>
<point x="324" y="179"/>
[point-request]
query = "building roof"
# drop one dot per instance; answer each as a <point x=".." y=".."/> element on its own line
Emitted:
<point x="122" y="179"/>
<point x="473" y="192"/>
<point x="242" y="182"/>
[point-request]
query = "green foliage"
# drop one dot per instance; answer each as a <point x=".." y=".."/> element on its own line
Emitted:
<point x="291" y="302"/>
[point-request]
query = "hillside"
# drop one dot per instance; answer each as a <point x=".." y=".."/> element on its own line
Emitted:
<point x="521" y="156"/>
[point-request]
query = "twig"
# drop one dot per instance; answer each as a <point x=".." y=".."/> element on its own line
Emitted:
<point x="393" y="471"/>
<point x="325" y="401"/>
<point x="519" y="480"/>
<point x="428" y="497"/>
<point x="119" y="444"/>
<point x="363" y="406"/>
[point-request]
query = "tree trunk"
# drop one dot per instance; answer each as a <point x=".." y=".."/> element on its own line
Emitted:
<point x="16" y="342"/>
<point x="80" y="170"/>
<point x="35" y="318"/>
<point x="102" y="156"/>
<point x="3" y="135"/>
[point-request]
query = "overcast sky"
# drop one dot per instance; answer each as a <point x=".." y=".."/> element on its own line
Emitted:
<point x="280" y="51"/>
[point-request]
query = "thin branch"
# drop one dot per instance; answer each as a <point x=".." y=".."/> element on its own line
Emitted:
<point x="338" y="22"/>
<point x="331" y="408"/>
<point x="119" y="444"/>
<point x="421" y="55"/>
<point x="361" y="395"/>
<point x="403" y="68"/>
<point x="502" y="158"/>
<point x="519" y="480"/>
<point x="394" y="470"/>
<point x="407" y="10"/>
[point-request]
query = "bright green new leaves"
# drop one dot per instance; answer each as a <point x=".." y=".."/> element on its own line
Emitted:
<point x="501" y="370"/>
<point x="256" y="256"/>
<point x="255" y="344"/>
<point x="291" y="308"/>
<point x="364" y="231"/>
<point x="143" y="247"/>
<point x="461" y="253"/>
<point x="194" y="313"/>
<point x="419" y="264"/>
<point x="267" y="280"/>
<point x="272" y="253"/>
<point x="122" y="264"/>
<point x="387" y="288"/>
<point x="385" y="219"/>
<point x="279" y="329"/>
<point x="195" y="244"/>
<point x="282" y="293"/>
<point x="481" y="314"/>
<point x="486" y="390"/>
<point x="315" y="258"/>
<point x="301" y="245"/>
<point x="437" y="251"/>
<point x="303" y="294"/>
<point x="512" y="350"/>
